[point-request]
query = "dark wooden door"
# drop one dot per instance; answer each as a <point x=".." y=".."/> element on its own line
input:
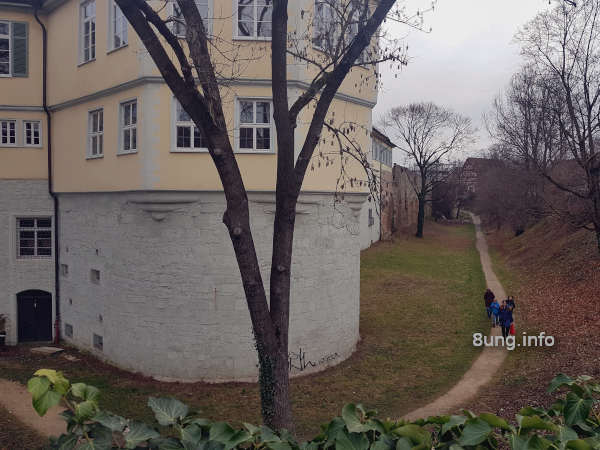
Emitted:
<point x="34" y="316"/>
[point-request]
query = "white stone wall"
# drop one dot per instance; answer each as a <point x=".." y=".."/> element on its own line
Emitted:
<point x="170" y="303"/>
<point x="21" y="198"/>
<point x="369" y="234"/>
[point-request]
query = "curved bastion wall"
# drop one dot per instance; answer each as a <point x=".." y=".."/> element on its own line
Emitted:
<point x="150" y="283"/>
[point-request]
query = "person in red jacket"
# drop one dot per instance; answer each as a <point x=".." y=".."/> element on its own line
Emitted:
<point x="488" y="298"/>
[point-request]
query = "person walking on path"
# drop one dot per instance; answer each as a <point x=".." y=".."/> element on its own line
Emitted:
<point x="495" y="309"/>
<point x="506" y="319"/>
<point x="488" y="298"/>
<point x="510" y="302"/>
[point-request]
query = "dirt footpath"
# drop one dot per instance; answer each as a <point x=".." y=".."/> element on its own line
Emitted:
<point x="486" y="365"/>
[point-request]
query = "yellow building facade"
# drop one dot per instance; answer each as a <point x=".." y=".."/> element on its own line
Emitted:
<point x="111" y="207"/>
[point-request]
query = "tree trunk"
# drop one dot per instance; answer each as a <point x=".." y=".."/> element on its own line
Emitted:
<point x="421" y="216"/>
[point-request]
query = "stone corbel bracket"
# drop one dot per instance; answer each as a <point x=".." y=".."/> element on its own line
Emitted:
<point x="304" y="205"/>
<point x="355" y="202"/>
<point x="160" y="204"/>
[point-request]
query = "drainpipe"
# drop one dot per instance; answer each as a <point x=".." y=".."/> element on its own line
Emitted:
<point x="36" y="6"/>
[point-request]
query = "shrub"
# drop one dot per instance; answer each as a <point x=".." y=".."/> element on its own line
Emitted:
<point x="570" y="423"/>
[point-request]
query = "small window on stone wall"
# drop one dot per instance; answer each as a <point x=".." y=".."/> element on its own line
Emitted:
<point x="98" y="342"/>
<point x="95" y="276"/>
<point x="64" y="270"/>
<point x="68" y="330"/>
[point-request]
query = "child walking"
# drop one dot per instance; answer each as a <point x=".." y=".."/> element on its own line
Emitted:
<point x="495" y="309"/>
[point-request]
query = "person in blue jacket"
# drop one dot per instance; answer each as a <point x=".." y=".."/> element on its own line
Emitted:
<point x="495" y="308"/>
<point x="506" y="318"/>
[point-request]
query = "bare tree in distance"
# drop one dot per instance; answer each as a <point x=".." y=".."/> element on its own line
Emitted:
<point x="189" y="68"/>
<point x="428" y="135"/>
<point x="563" y="46"/>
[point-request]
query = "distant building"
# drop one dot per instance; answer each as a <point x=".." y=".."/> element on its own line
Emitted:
<point x="474" y="170"/>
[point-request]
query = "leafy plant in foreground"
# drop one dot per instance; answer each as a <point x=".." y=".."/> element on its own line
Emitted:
<point x="570" y="423"/>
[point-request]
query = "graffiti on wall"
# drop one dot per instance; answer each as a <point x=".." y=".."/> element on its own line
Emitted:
<point x="298" y="360"/>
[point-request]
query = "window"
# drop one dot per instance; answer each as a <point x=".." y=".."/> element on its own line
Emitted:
<point x="371" y="218"/>
<point x="68" y="330"/>
<point x="95" y="276"/>
<point x="5" y="48"/>
<point x="98" y="341"/>
<point x="254" y="18"/>
<point x="64" y="270"/>
<point x="128" y="127"/>
<point x="13" y="49"/>
<point x="255" y="125"/>
<point x="118" y="27"/>
<point x="88" y="30"/>
<point x="187" y="136"/>
<point x="34" y="237"/>
<point x="8" y="132"/>
<point x="95" y="133"/>
<point x="32" y="133"/>
<point x="205" y="9"/>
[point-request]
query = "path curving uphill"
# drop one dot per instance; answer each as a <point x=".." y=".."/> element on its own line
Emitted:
<point x="487" y="363"/>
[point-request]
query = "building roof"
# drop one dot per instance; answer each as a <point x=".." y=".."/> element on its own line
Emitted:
<point x="45" y="5"/>
<point x="382" y="137"/>
<point x="481" y="165"/>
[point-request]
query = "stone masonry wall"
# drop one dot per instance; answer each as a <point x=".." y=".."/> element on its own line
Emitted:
<point x="166" y="296"/>
<point x="21" y="198"/>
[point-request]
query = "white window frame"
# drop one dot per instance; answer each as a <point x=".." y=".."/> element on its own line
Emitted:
<point x="16" y="124"/>
<point x="113" y="27"/>
<point x="175" y="123"/>
<point x="82" y="22"/>
<point x="131" y="127"/>
<point x="39" y="126"/>
<point x="35" y="229"/>
<point x="99" y="134"/>
<point x="207" y="20"/>
<point x="10" y="48"/>
<point x="254" y="36"/>
<point x="254" y="125"/>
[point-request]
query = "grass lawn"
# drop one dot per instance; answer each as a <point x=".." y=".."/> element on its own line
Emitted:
<point x="421" y="300"/>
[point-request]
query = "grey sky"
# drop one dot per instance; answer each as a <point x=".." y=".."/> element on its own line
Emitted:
<point x="464" y="62"/>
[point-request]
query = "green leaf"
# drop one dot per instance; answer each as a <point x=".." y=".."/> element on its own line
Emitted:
<point x="242" y="436"/>
<point x="191" y="434"/>
<point x="495" y="421"/>
<point x="415" y="433"/>
<point x="453" y="422"/>
<point x="66" y="442"/>
<point x="518" y="442"/>
<point x="384" y="442"/>
<point x="221" y="432"/>
<point x="111" y="421"/>
<point x="439" y="420"/>
<point x="268" y="435"/>
<point x="578" y="444"/>
<point x="352" y="417"/>
<point x="38" y="386"/>
<point x="46" y="401"/>
<point x="163" y="443"/>
<point x="538" y="443"/>
<point x="455" y="447"/>
<point x="403" y="444"/>
<point x="102" y="437"/>
<point x="276" y="446"/>
<point x="560" y="380"/>
<point x="475" y="432"/>
<point x="85" y="392"/>
<point x="85" y="410"/>
<point x="252" y="429"/>
<point x="351" y="441"/>
<point x="531" y="411"/>
<point x="566" y="434"/>
<point x="167" y="410"/>
<point x="576" y="409"/>
<point x="138" y="432"/>
<point x="535" y="423"/>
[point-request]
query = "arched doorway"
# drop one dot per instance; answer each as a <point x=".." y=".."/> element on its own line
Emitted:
<point x="34" y="314"/>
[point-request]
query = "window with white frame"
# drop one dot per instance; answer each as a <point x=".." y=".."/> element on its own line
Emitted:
<point x="87" y="28"/>
<point x="188" y="137"/>
<point x="254" y="19"/>
<point x="34" y="237"/>
<point x="95" y="133"/>
<point x="255" y="123"/>
<point x="5" y="49"/>
<point x="32" y="133"/>
<point x="128" y="130"/>
<point x="8" y="132"/>
<point x="204" y="8"/>
<point x="118" y="27"/>
<point x="14" y="53"/>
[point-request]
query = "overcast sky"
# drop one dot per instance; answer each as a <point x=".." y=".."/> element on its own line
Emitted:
<point x="464" y="62"/>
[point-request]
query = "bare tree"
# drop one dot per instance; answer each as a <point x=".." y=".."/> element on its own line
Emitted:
<point x="563" y="44"/>
<point x="428" y="135"/>
<point x="190" y="70"/>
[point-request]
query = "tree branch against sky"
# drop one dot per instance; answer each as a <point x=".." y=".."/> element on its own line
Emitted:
<point x="428" y="136"/>
<point x="188" y="68"/>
